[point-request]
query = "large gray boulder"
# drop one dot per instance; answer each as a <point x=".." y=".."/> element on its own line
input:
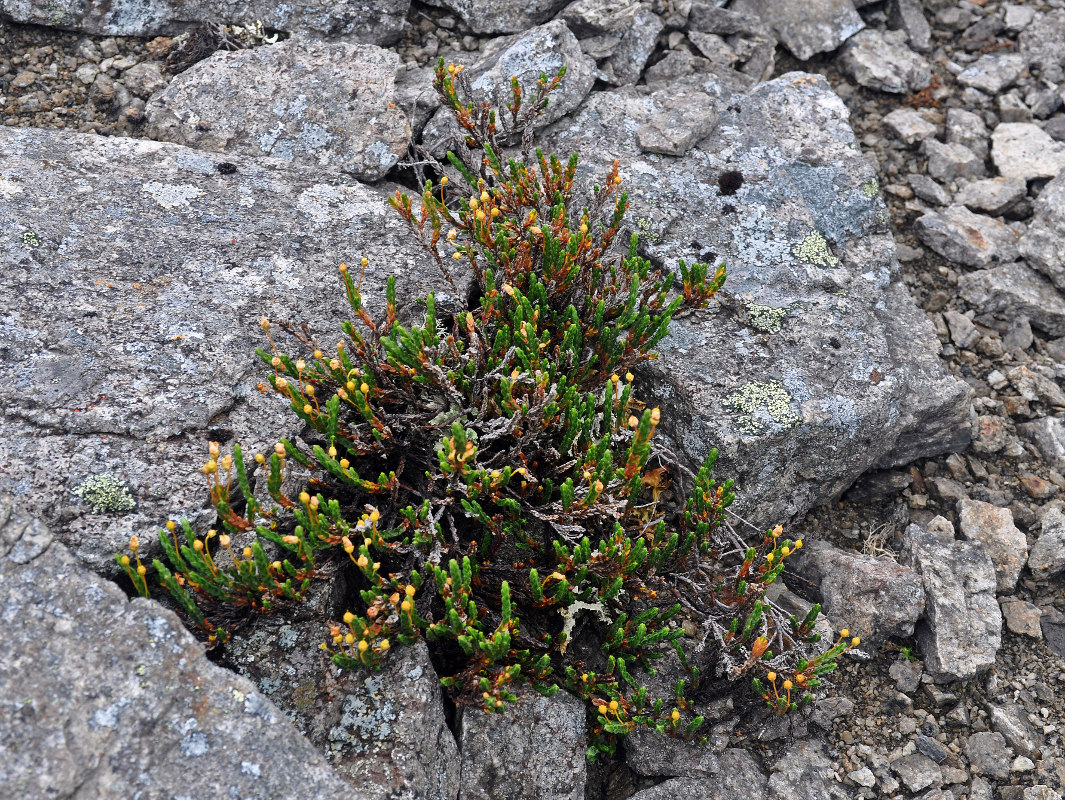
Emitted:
<point x="962" y="629"/>
<point x="134" y="288"/>
<point x="101" y="697"/>
<point x="816" y="365"/>
<point x="379" y="22"/>
<point x="320" y="104"/>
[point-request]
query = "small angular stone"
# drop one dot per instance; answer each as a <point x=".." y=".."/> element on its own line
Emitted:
<point x="988" y="755"/>
<point x="1024" y="150"/>
<point x="909" y="125"/>
<point x="816" y="26"/>
<point x="881" y="60"/>
<point x="951" y="160"/>
<point x="993" y="527"/>
<point x="1041" y="244"/>
<point x="967" y="128"/>
<point x="1016" y="289"/>
<point x="917" y="771"/>
<point x="993" y="196"/>
<point x="972" y="240"/>
<point x="1021" y="617"/>
<point x="1047" y="557"/>
<point x="908" y="15"/>
<point x="992" y="73"/>
<point x="928" y="190"/>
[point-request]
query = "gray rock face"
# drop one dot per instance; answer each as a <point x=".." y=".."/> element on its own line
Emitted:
<point x="739" y="775"/>
<point x="909" y="126"/>
<point x="967" y="128"/>
<point x="815" y="27"/>
<point x="383" y="731"/>
<point x="656" y="755"/>
<point x="1048" y="435"/>
<point x="783" y="370"/>
<point x="1024" y="150"/>
<point x="1011" y="720"/>
<point x="1021" y="617"/>
<point x="625" y="64"/>
<point x="992" y="73"/>
<point x="501" y="16"/>
<point x="1048" y="553"/>
<point x="993" y="527"/>
<point x="876" y="599"/>
<point x="962" y="628"/>
<point x="533" y="751"/>
<point x="380" y="22"/>
<point x="542" y="49"/>
<point x="951" y="160"/>
<point x="1016" y="289"/>
<point x="1040" y="44"/>
<point x="908" y="15"/>
<point x="881" y="60"/>
<point x="166" y="263"/>
<point x="988" y="755"/>
<point x="319" y="104"/>
<point x="1042" y="244"/>
<point x="917" y="771"/>
<point x="805" y="770"/>
<point x="679" y="125"/>
<point x="110" y="698"/>
<point x="973" y="240"/>
<point x="995" y="196"/>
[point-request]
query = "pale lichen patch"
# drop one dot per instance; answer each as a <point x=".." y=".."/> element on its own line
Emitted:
<point x="765" y="319"/>
<point x="759" y="405"/>
<point x="106" y="493"/>
<point x="170" y="195"/>
<point x="813" y="249"/>
<point x="871" y="188"/>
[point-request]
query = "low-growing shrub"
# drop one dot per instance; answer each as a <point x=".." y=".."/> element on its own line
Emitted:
<point x="491" y="476"/>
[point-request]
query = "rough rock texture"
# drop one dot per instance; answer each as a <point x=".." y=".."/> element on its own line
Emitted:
<point x="656" y="755"/>
<point x="961" y="631"/>
<point x="805" y="770"/>
<point x="533" y="751"/>
<point x="817" y="349"/>
<point x="876" y="599"/>
<point x="1016" y="289"/>
<point x="1048" y="553"/>
<point x="501" y="16"/>
<point x="992" y="73"/>
<point x="384" y="731"/>
<point x="819" y="26"/>
<point x="165" y="260"/>
<point x="966" y="238"/>
<point x="380" y="22"/>
<point x="319" y="104"/>
<point x="104" y="698"/>
<point x="1024" y="150"/>
<point x="541" y="50"/>
<point x="881" y="60"/>
<point x="993" y="527"/>
<point x="1048" y="435"/>
<point x="995" y="196"/>
<point x="1042" y="244"/>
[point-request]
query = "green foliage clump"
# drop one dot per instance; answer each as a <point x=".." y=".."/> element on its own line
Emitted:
<point x="490" y="476"/>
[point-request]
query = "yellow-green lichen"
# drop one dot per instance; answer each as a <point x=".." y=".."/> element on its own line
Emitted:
<point x="106" y="494"/>
<point x="766" y="319"/>
<point x="645" y="231"/>
<point x="871" y="188"/>
<point x="759" y="404"/>
<point x="813" y="249"/>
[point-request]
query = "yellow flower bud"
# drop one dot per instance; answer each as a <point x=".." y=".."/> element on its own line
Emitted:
<point x="484" y="196"/>
<point x="457" y="256"/>
<point x="282" y="384"/>
<point x="675" y="716"/>
<point x="364" y="387"/>
<point x="197" y="546"/>
<point x="844" y="633"/>
<point x="787" y="684"/>
<point x="350" y="638"/>
<point x="260" y="458"/>
<point x="301" y="365"/>
<point x="409" y="590"/>
<point x="246" y="552"/>
<point x="443" y="181"/>
<point x="362" y="645"/>
<point x="348" y="617"/>
<point x="170" y="525"/>
<point x="628" y="377"/>
<point x="343" y="268"/>
<point x="124" y="561"/>
<point x="309" y="389"/>
<point x="264" y="323"/>
<point x="770" y="556"/>
<point x="856" y="641"/>
<point x="276" y="566"/>
<point x="305" y="498"/>
<point x="584" y="227"/>
<point x="384" y="645"/>
<point x="308" y="409"/>
<point x="227" y="462"/>
<point x="142" y="570"/>
<point x="332" y="451"/>
<point x="224" y="540"/>
<point x="364" y="261"/>
<point x="495" y="213"/>
<point x="613" y="705"/>
<point x="772" y="676"/>
<point x="633" y="422"/>
<point x="344" y="463"/>
<point x="656" y="415"/>
<point x="209" y="468"/>
<point x="474" y="202"/>
<point x="134" y="542"/>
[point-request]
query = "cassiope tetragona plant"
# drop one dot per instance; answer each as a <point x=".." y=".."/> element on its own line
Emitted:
<point x="490" y="476"/>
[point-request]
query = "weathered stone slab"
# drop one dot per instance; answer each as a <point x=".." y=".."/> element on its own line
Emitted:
<point x="320" y="104"/>
<point x="814" y="27"/>
<point x="816" y="366"/>
<point x="1016" y="289"/>
<point x="502" y="16"/>
<point x="165" y="259"/>
<point x="103" y="698"/>
<point x="379" y="22"/>
<point x="962" y="237"/>
<point x="1003" y="541"/>
<point x="881" y="60"/>
<point x="1043" y="244"/>
<point x="962" y="628"/>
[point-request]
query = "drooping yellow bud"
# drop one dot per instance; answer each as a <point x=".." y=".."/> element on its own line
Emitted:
<point x="856" y="641"/>
<point x="633" y="422"/>
<point x="787" y="684"/>
<point x="384" y="645"/>
<point x="246" y="552"/>
<point x="305" y="498"/>
<point x="348" y="617"/>
<point x="309" y="389"/>
<point x="134" y="542"/>
<point x="474" y="202"/>
<point x="124" y="561"/>
<point x="197" y="546"/>
<point x="363" y="644"/>
<point x="844" y="633"/>
<point x="443" y="181"/>
<point x="410" y="590"/>
<point x="343" y="268"/>
<point x="675" y="716"/>
<point x="772" y="676"/>
<point x="264" y="323"/>
<point x="364" y="261"/>
<point x="170" y="525"/>
<point x="282" y="384"/>
<point x="364" y="387"/>
<point x="332" y="451"/>
<point x="224" y="540"/>
<point x="628" y="377"/>
<point x="656" y="415"/>
<point x="484" y="196"/>
<point x="308" y="409"/>
<point x="142" y="570"/>
<point x="344" y="463"/>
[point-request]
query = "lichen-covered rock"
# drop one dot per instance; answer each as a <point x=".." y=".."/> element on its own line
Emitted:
<point x="961" y="631"/>
<point x="379" y="22"/>
<point x="816" y="365"/>
<point x="657" y="755"/>
<point x="876" y="599"/>
<point x="165" y="258"/>
<point x="384" y="731"/>
<point x="103" y="698"/>
<point x="326" y="105"/>
<point x="806" y="29"/>
<point x="535" y="750"/>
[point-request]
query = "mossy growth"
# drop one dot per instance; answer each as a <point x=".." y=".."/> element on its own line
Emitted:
<point x="490" y="478"/>
<point x="106" y="494"/>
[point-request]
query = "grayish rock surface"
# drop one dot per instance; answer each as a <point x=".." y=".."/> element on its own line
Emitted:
<point x="1048" y="435"/>
<point x="656" y="755"/>
<point x="993" y="527"/>
<point x="101" y="697"/>
<point x="384" y="731"/>
<point x="805" y="770"/>
<point x="908" y="16"/>
<point x="947" y="161"/>
<point x="967" y="128"/>
<point x="533" y="751"/>
<point x="928" y="190"/>
<point x="917" y="771"/>
<point x="1021" y="617"/>
<point x="327" y="105"/>
<point x="679" y="125"/>
<point x="1016" y="289"/>
<point x="881" y="60"/>
<point x="166" y="265"/>
<point x="995" y="196"/>
<point x="1048" y="553"/>
<point x="819" y="26"/>
<point x="992" y="73"/>
<point x="961" y="631"/>
<point x="783" y="371"/>
<point x="972" y="240"/>
<point x="502" y="16"/>
<point x="876" y="599"/>
<point x="909" y="125"/>
<point x="1043" y="244"/>
<point x="988" y="755"/>
<point x="626" y="62"/>
<point x="1040" y="44"/>
<point x="380" y="22"/>
<point x="1024" y="150"/>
